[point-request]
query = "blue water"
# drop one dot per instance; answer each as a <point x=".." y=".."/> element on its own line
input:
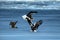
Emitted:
<point x="49" y="30"/>
<point x="43" y="5"/>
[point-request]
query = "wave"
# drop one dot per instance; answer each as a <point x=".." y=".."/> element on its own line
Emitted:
<point x="30" y="5"/>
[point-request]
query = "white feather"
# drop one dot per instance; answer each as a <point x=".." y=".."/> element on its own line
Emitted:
<point x="24" y="17"/>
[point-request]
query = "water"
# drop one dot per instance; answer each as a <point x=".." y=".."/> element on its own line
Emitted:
<point x="48" y="12"/>
<point x="49" y="30"/>
<point x="43" y="5"/>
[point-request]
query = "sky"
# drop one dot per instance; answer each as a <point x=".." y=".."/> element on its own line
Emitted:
<point x="29" y="0"/>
